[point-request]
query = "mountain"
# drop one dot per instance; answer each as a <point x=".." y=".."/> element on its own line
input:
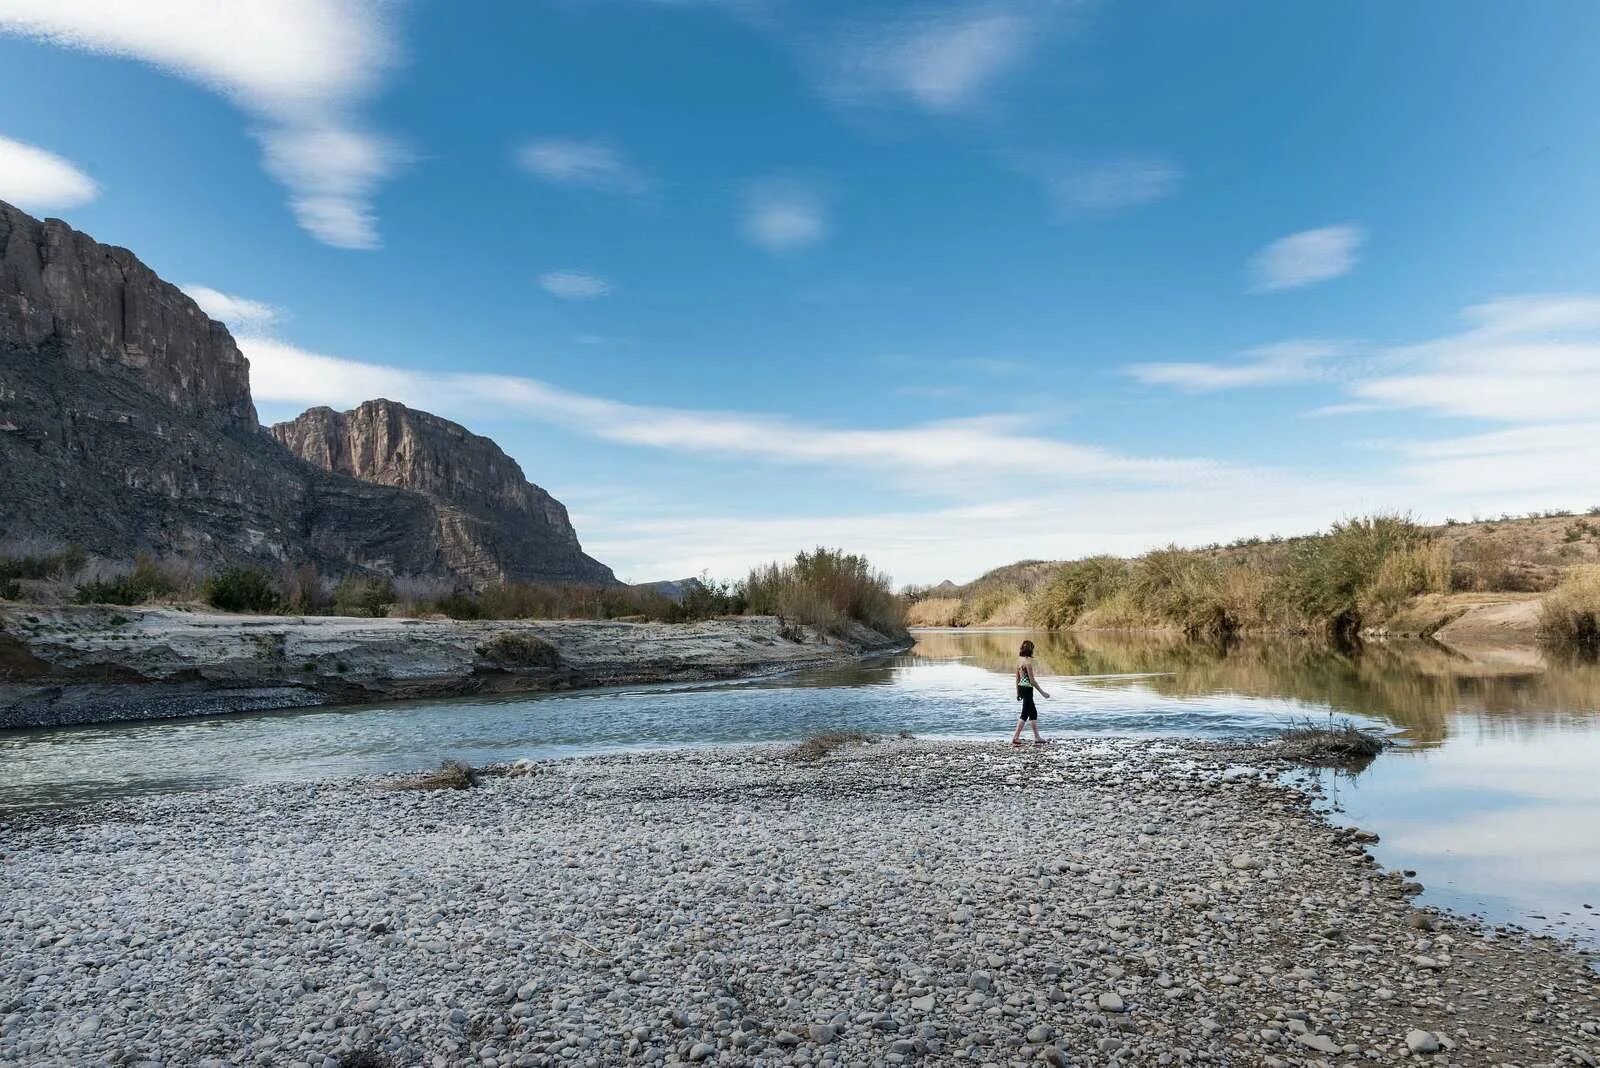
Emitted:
<point x="493" y="523"/>
<point x="127" y="425"/>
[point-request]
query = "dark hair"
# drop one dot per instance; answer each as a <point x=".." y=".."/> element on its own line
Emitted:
<point x="1026" y="650"/>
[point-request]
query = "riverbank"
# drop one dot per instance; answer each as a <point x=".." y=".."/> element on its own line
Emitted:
<point x="1103" y="902"/>
<point x="84" y="664"/>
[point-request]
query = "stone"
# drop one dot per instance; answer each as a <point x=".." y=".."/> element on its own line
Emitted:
<point x="1110" y="1002"/>
<point x="1320" y="1043"/>
<point x="1420" y="1041"/>
<point x="701" y="1051"/>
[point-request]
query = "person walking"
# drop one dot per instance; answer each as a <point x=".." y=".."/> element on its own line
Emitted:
<point x="1027" y="686"/>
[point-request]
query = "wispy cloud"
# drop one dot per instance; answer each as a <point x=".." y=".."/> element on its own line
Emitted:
<point x="784" y="215"/>
<point x="303" y="68"/>
<point x="240" y="313"/>
<point x="943" y="60"/>
<point x="280" y="372"/>
<point x="1307" y="257"/>
<point x="1285" y="363"/>
<point x="583" y="164"/>
<point x="574" y="285"/>
<point x="1112" y="185"/>
<point x="36" y="180"/>
<point x="1531" y="359"/>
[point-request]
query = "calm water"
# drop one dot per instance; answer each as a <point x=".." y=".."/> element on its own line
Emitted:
<point x="1494" y="798"/>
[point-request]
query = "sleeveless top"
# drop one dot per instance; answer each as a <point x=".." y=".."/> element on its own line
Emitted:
<point x="1025" y="671"/>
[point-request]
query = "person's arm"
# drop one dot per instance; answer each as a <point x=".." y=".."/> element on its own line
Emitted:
<point x="1034" y="673"/>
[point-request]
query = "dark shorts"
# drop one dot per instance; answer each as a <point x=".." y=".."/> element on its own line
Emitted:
<point x="1025" y="695"/>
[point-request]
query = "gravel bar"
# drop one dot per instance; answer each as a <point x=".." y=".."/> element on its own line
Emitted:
<point x="1095" y="902"/>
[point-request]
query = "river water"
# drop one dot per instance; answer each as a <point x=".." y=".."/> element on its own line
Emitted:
<point x="1493" y="795"/>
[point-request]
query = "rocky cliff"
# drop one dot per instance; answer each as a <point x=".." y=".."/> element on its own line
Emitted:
<point x="126" y="425"/>
<point x="493" y="522"/>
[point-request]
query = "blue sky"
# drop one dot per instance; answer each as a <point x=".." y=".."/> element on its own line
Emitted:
<point x="952" y="284"/>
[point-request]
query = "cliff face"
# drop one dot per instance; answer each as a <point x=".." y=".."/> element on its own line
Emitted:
<point x="494" y="521"/>
<point x="126" y="425"/>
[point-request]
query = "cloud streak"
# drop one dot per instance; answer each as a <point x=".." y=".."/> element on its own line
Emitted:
<point x="1306" y="258"/>
<point x="574" y="285"/>
<point x="1286" y="363"/>
<point x="301" y="68"/>
<point x="942" y="61"/>
<point x="1113" y="185"/>
<point x="36" y="180"/>
<point x="581" y="164"/>
<point x="239" y="313"/>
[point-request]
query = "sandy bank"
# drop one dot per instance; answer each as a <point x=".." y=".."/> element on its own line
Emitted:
<point x="1096" y="903"/>
<point x="62" y="665"/>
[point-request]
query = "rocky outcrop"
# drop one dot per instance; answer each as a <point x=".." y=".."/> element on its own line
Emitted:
<point x="86" y="664"/>
<point x="493" y="522"/>
<point x="126" y="425"/>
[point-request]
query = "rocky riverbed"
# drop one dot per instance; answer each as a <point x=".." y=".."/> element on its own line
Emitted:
<point x="88" y="664"/>
<point x="908" y="902"/>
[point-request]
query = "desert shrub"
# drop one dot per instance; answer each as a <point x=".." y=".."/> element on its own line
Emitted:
<point x="10" y="590"/>
<point x="1485" y="564"/>
<point x="369" y="597"/>
<point x="1327" y="577"/>
<point x="1403" y="574"/>
<point x="823" y="588"/>
<point x="517" y="650"/>
<point x="143" y="582"/>
<point x="1182" y="588"/>
<point x="1571" y="613"/>
<point x="934" y="612"/>
<point x="703" y="598"/>
<point x="243" y="589"/>
<point x="31" y="561"/>
<point x="305" y="592"/>
<point x="1076" y="588"/>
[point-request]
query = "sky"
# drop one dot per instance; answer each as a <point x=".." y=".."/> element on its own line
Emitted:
<point x="950" y="284"/>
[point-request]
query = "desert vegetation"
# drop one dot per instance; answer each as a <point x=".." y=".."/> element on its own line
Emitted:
<point x="1357" y="574"/>
<point x="1571" y="614"/>
<point x="826" y="589"/>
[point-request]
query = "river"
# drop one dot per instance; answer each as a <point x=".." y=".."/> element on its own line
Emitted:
<point x="1492" y="795"/>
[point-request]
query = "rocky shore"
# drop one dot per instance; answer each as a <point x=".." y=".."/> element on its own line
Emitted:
<point x="87" y="664"/>
<point x="909" y="902"/>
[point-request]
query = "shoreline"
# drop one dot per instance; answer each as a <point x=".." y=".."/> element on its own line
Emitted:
<point x="72" y="665"/>
<point x="1102" y="901"/>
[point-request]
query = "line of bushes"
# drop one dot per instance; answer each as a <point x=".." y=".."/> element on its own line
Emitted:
<point x="1571" y="614"/>
<point x="1361" y="570"/>
<point x="823" y="588"/>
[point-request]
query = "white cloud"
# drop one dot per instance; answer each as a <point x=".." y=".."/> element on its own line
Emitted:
<point x="783" y="216"/>
<point x="574" y="285"/>
<point x="302" y="67"/>
<point x="944" y="61"/>
<point x="1532" y="359"/>
<point x="1285" y="363"/>
<point x="1307" y="257"/>
<point x="588" y="164"/>
<point x="240" y="313"/>
<point x="1115" y="184"/>
<point x="36" y="180"/>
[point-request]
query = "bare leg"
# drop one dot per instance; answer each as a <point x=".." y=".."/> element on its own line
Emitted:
<point x="1035" y="725"/>
<point x="1016" y="735"/>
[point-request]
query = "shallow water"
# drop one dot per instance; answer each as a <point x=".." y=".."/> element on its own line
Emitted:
<point x="1493" y="798"/>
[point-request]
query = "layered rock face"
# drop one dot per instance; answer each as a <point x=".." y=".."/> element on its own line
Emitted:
<point x="126" y="425"/>
<point x="492" y="520"/>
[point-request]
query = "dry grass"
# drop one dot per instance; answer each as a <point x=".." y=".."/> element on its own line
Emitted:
<point x="449" y="775"/>
<point x="1571" y="614"/>
<point x="1342" y="746"/>
<point x="820" y="745"/>
<point x="934" y="612"/>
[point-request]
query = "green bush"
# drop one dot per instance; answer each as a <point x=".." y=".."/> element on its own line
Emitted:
<point x="144" y="582"/>
<point x="1076" y="588"/>
<point x="60" y="563"/>
<point x="1328" y="577"/>
<point x="10" y="590"/>
<point x="369" y="597"/>
<point x="1571" y="614"/>
<point x="824" y="588"/>
<point x="243" y="589"/>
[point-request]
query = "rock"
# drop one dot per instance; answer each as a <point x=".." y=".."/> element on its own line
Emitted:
<point x="1420" y="1041"/>
<point x="130" y="426"/>
<point x="1040" y="1034"/>
<point x="1245" y="862"/>
<point x="1320" y="1043"/>
<point x="822" y="1034"/>
<point x="702" y="1051"/>
<point x="923" y="1004"/>
<point x="1110" y="1002"/>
